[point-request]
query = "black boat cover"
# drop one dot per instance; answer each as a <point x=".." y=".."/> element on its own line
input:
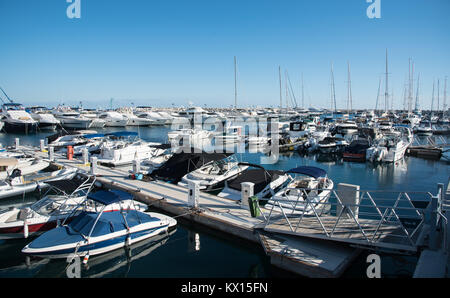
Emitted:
<point x="182" y="163"/>
<point x="260" y="177"/>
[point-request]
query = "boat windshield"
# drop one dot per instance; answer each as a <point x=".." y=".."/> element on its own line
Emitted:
<point x="51" y="205"/>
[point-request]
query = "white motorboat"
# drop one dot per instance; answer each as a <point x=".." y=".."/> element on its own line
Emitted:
<point x="17" y="184"/>
<point x="424" y="129"/>
<point x="73" y="120"/>
<point x="90" y="234"/>
<point x="266" y="183"/>
<point x="96" y="122"/>
<point x="155" y="118"/>
<point x="27" y="166"/>
<point x="51" y="210"/>
<point x="46" y="121"/>
<point x="123" y="148"/>
<point x="346" y="128"/>
<point x="391" y="147"/>
<point x="72" y="139"/>
<point x="304" y="194"/>
<point x="232" y="134"/>
<point x="189" y="137"/>
<point x="114" y="119"/>
<point x="331" y="145"/>
<point x="301" y="129"/>
<point x="134" y="120"/>
<point x="212" y="176"/>
<point x="17" y="120"/>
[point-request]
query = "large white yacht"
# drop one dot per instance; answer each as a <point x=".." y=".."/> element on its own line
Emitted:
<point x="71" y="119"/>
<point x="114" y="119"/>
<point x="16" y="119"/>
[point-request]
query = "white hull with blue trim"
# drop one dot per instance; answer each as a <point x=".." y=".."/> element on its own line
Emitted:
<point x="99" y="244"/>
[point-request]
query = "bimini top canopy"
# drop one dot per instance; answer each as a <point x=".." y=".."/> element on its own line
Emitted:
<point x="309" y="171"/>
<point x="107" y="197"/>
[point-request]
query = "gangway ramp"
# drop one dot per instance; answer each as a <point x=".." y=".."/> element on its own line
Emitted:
<point x="396" y="222"/>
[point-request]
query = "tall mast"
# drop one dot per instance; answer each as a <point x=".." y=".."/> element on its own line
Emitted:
<point x="333" y="91"/>
<point x="438" y="97"/>
<point x="386" y="93"/>
<point x="287" y="90"/>
<point x="235" y="83"/>
<point x="378" y="94"/>
<point x="444" y="108"/>
<point x="416" y="107"/>
<point x="411" y="88"/>
<point x="303" y="94"/>
<point x="432" y="99"/>
<point x="281" y="89"/>
<point x="349" y="91"/>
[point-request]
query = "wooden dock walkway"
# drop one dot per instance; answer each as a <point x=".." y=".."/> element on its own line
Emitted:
<point x="318" y="258"/>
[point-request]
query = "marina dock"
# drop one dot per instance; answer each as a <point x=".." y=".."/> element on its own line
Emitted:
<point x="308" y="250"/>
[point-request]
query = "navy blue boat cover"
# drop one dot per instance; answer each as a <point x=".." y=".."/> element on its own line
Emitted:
<point x="111" y="196"/>
<point x="309" y="171"/>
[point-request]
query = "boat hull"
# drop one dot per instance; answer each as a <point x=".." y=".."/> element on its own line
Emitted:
<point x="100" y="245"/>
<point x="16" y="127"/>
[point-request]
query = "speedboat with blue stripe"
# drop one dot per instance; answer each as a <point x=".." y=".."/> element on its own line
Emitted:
<point x="91" y="233"/>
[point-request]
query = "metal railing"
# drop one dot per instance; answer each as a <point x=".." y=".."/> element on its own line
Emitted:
<point x="377" y="219"/>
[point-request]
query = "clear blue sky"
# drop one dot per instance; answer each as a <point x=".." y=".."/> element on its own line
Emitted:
<point x="161" y="52"/>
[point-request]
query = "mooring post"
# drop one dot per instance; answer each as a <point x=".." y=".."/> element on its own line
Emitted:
<point x="51" y="153"/>
<point x="247" y="191"/>
<point x="94" y="165"/>
<point x="136" y="166"/>
<point x="17" y="143"/>
<point x="85" y="156"/>
<point x="193" y="193"/>
<point x="42" y="145"/>
<point x="349" y="196"/>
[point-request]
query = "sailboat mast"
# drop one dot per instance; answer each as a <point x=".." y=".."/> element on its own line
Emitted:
<point x="333" y="91"/>
<point x="281" y="89"/>
<point x="438" y="96"/>
<point x="444" y="108"/>
<point x="378" y="94"/>
<point x="386" y="93"/>
<point x="235" y="83"/>
<point x="303" y="94"/>
<point x="416" y="107"/>
<point x="349" y="91"/>
<point x="287" y="90"/>
<point x="432" y="99"/>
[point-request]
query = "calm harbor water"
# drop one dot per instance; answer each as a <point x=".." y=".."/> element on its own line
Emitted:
<point x="196" y="251"/>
